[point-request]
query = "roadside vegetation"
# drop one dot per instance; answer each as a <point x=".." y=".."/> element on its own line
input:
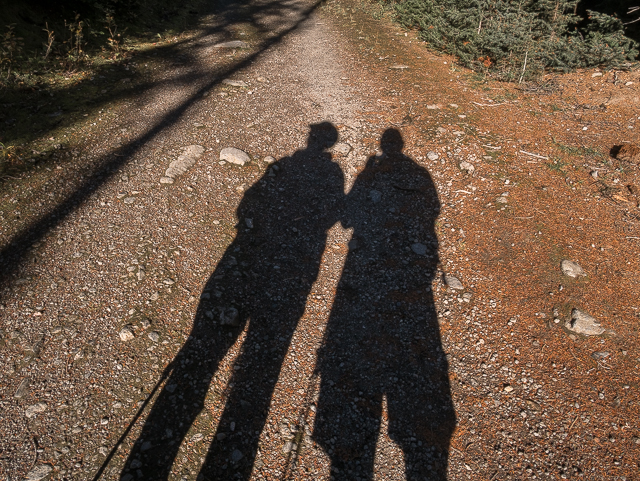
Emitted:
<point x="519" y="40"/>
<point x="61" y="61"/>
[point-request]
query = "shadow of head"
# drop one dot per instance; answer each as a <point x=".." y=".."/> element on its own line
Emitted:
<point x="322" y="136"/>
<point x="391" y="142"/>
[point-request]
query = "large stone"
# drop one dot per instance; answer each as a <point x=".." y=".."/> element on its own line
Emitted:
<point x="185" y="161"/>
<point x="583" y="323"/>
<point x="235" y="156"/>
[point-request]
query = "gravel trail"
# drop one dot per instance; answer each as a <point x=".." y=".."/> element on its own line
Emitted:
<point x="375" y="293"/>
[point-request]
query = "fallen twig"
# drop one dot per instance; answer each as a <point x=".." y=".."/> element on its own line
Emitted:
<point x="491" y="147"/>
<point x="534" y="155"/>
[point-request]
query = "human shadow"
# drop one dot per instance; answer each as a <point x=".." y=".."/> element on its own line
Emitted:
<point x="261" y="284"/>
<point x="382" y="340"/>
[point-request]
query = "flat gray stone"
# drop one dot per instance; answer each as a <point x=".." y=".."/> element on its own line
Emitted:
<point x="38" y="473"/>
<point x="375" y="196"/>
<point x="235" y="83"/>
<point x="231" y="44"/>
<point x="583" y="323"/>
<point x="34" y="409"/>
<point x="433" y="156"/>
<point x="154" y="336"/>
<point x="189" y="156"/>
<point x="126" y="333"/>
<point x="453" y="282"/>
<point x="236" y="456"/>
<point x="235" y="156"/>
<point x="419" y="248"/>
<point x="342" y="148"/>
<point x="467" y="166"/>
<point x="572" y="269"/>
<point x="269" y="159"/>
<point x="229" y="317"/>
<point x="23" y="389"/>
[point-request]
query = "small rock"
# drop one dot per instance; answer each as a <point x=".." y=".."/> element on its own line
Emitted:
<point x="249" y="223"/>
<point x="433" y="156"/>
<point x="23" y="389"/>
<point x="502" y="200"/>
<point x="596" y="74"/>
<point x="235" y="83"/>
<point x="434" y="107"/>
<point x="600" y="355"/>
<point x="146" y="446"/>
<point x="154" y="336"/>
<point x="235" y="156"/>
<point x="38" y="473"/>
<point x="103" y="450"/>
<point x="145" y="324"/>
<point x="508" y="389"/>
<point x="236" y="456"/>
<point x="466" y="297"/>
<point x="594" y="174"/>
<point x="375" y="196"/>
<point x="261" y="79"/>
<point x="571" y="269"/>
<point x="129" y="200"/>
<point x="269" y="159"/>
<point x="420" y="249"/>
<point x="399" y="67"/>
<point x="231" y="44"/>
<point x="229" y="317"/>
<point x="35" y="409"/>
<point x="135" y="464"/>
<point x="453" y="282"/>
<point x="534" y="406"/>
<point x="288" y="447"/>
<point x="126" y="333"/>
<point x="627" y="84"/>
<point x="197" y="437"/>
<point x="167" y="180"/>
<point x="341" y="148"/>
<point x="583" y="323"/>
<point x="467" y="166"/>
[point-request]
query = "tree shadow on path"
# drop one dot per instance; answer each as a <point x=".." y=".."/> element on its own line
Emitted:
<point x="382" y="344"/>
<point x="261" y="284"/>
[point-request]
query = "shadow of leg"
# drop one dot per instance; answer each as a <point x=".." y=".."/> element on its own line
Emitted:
<point x="178" y="404"/>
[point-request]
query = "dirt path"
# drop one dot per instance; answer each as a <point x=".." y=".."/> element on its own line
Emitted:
<point x="116" y="286"/>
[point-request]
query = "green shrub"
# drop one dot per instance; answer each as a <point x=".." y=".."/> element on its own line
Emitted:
<point x="519" y="39"/>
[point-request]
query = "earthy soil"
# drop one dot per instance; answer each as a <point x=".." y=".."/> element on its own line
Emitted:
<point x="290" y="318"/>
